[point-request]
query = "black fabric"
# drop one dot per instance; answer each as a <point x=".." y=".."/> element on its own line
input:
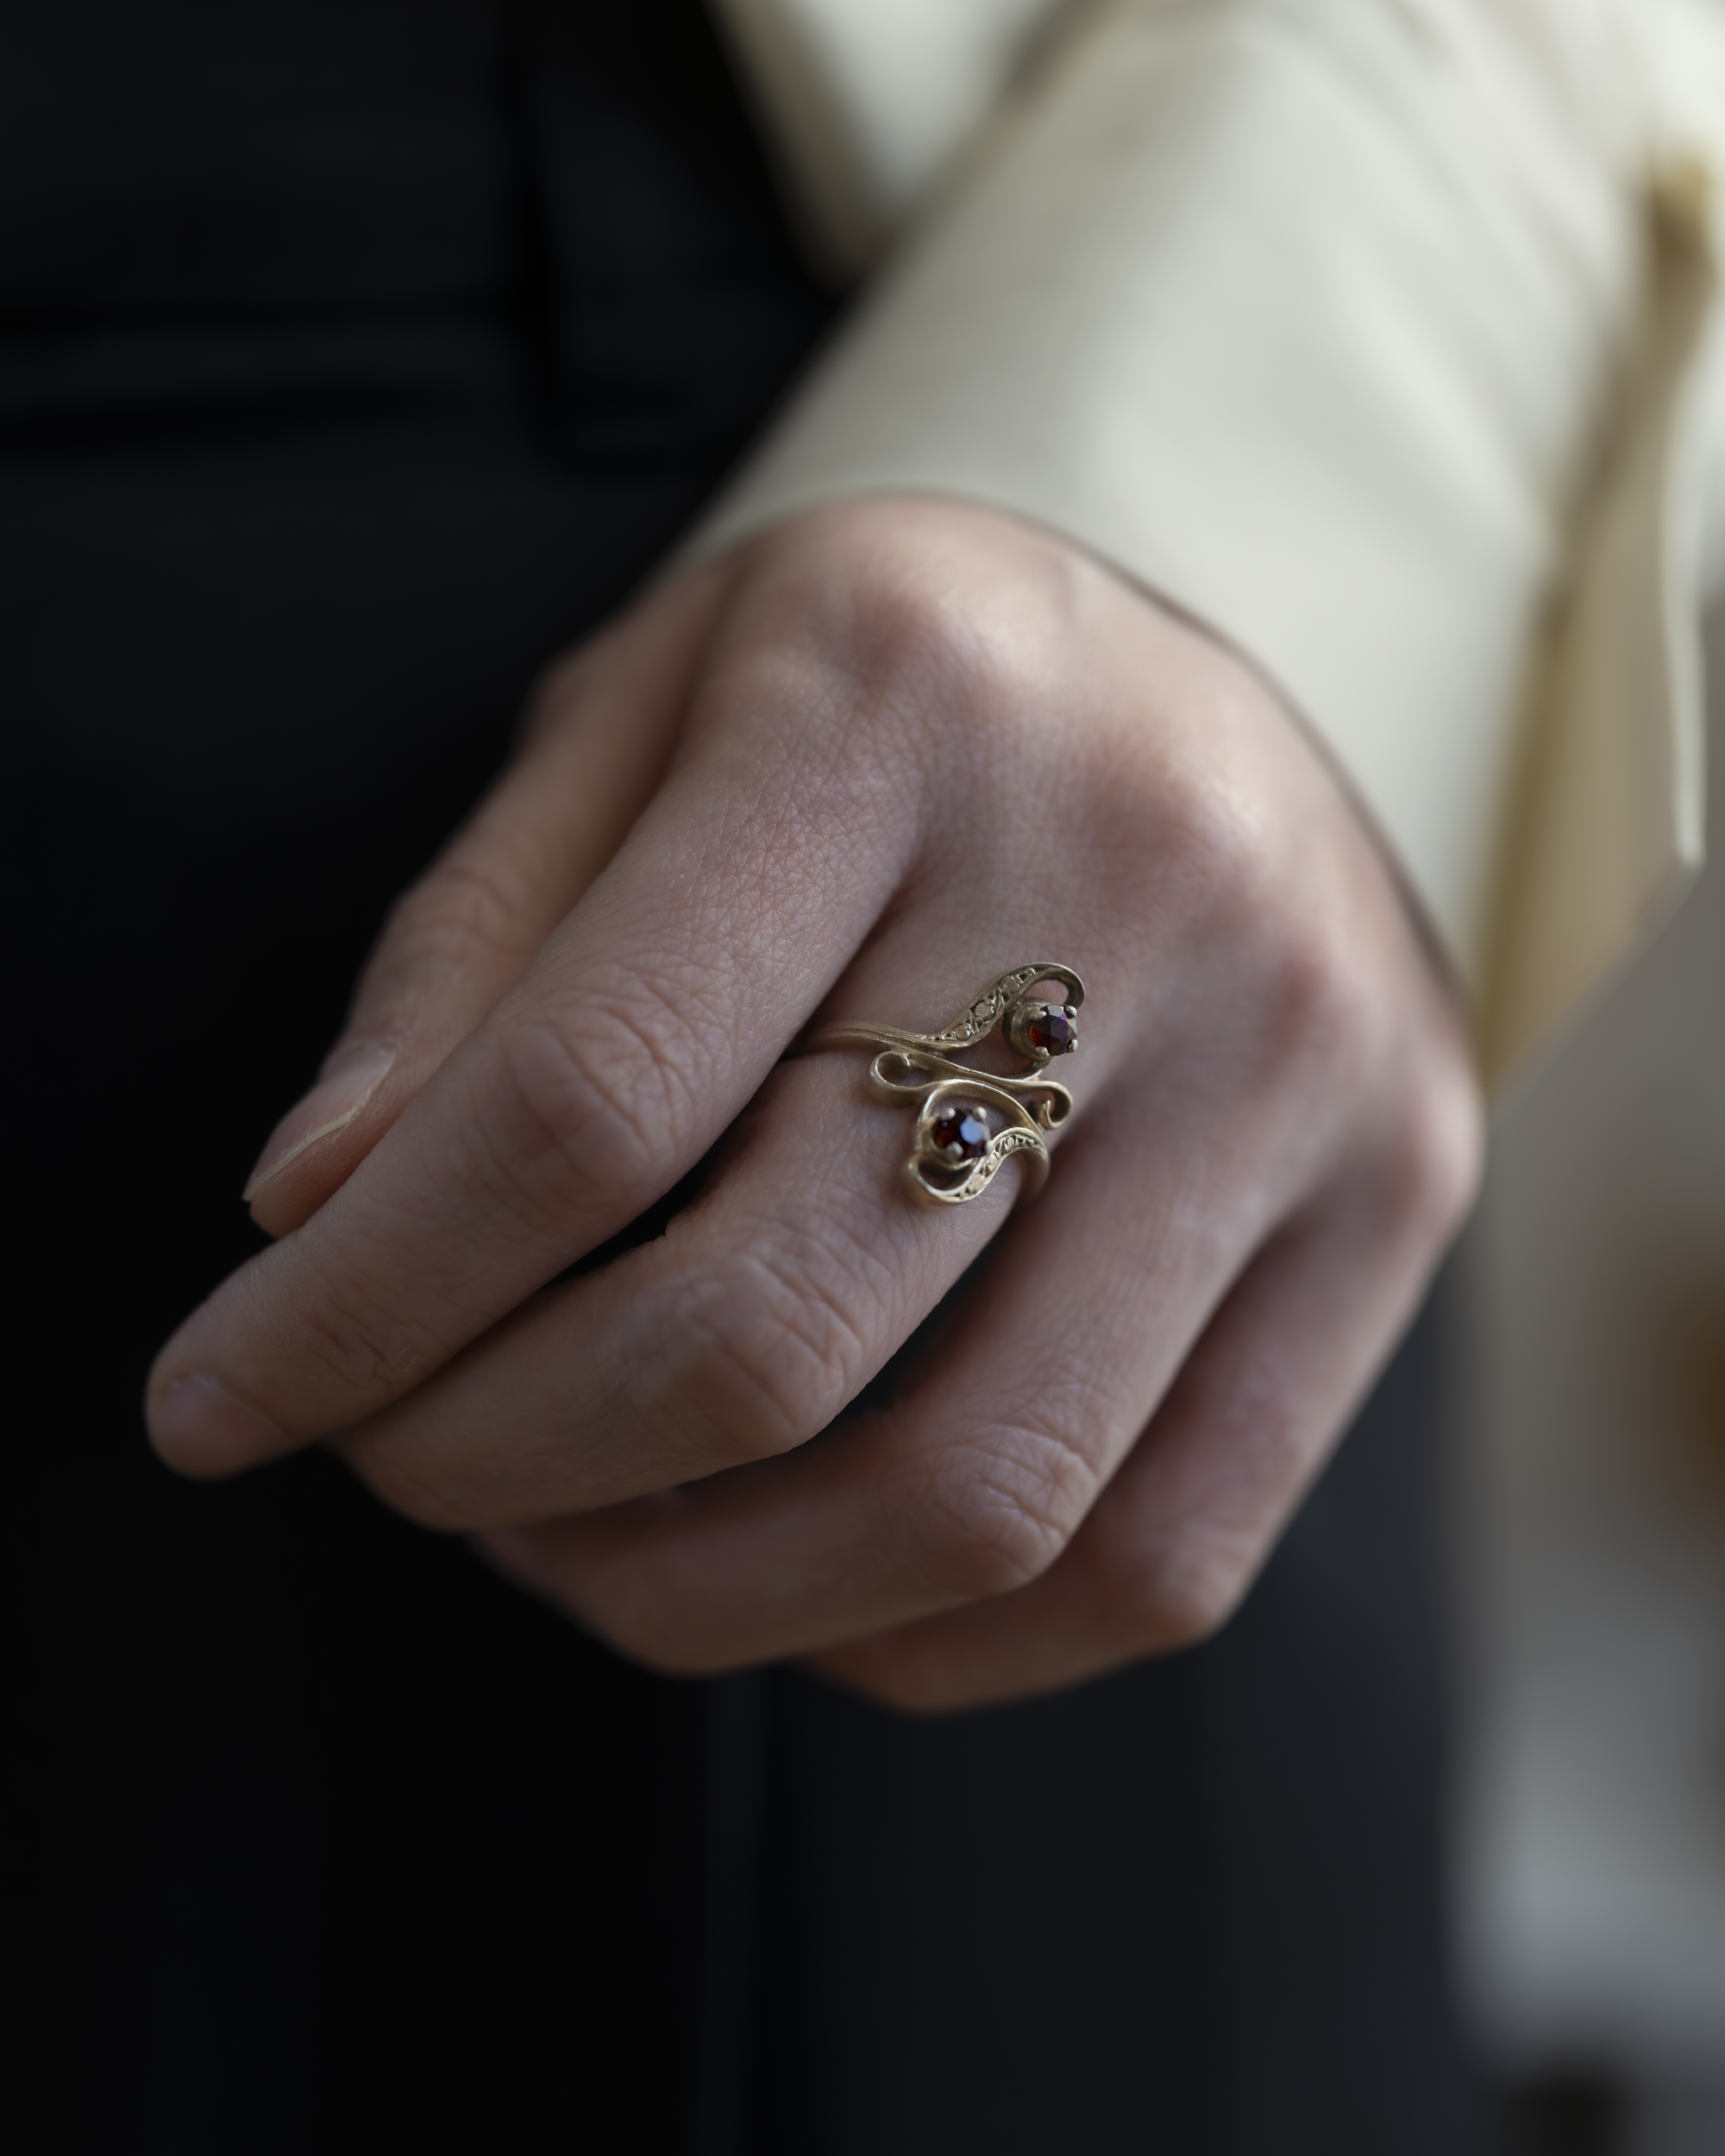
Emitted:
<point x="356" y="355"/>
<point x="1193" y="1908"/>
<point x="344" y="1844"/>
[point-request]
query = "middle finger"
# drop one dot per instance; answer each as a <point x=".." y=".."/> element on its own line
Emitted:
<point x="977" y="1476"/>
<point x="736" y="1336"/>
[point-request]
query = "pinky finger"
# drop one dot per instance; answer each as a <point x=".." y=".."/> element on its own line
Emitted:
<point x="1174" y="1542"/>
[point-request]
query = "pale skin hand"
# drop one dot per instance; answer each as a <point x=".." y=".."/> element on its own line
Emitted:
<point x="854" y="769"/>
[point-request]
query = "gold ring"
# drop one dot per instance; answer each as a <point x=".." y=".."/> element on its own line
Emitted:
<point x="969" y="1122"/>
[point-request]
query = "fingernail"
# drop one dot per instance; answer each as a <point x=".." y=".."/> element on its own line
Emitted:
<point x="199" y="1428"/>
<point x="330" y="1105"/>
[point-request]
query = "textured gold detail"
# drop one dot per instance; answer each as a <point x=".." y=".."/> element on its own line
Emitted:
<point x="918" y="1069"/>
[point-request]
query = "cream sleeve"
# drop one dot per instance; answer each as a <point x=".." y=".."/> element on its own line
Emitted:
<point x="1366" y="331"/>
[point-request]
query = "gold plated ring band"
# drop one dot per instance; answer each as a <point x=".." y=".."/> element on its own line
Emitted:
<point x="970" y="1123"/>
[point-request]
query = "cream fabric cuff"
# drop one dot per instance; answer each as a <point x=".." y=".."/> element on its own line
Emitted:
<point x="1341" y="324"/>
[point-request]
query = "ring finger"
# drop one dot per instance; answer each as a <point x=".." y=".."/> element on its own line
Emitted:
<point x="742" y="1334"/>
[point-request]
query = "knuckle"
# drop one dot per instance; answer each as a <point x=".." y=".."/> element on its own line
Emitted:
<point x="457" y="900"/>
<point x="600" y="1102"/>
<point x="1211" y="871"/>
<point x="1218" y="866"/>
<point x="1320" y="996"/>
<point x="920" y="630"/>
<point x="772" y="1344"/>
<point x="1003" y="1505"/>
<point x="897" y="620"/>
<point x="1342" y="1015"/>
<point x="1323" y="1017"/>
<point x="353" y="1363"/>
<point x="1431" y="1162"/>
<point x="460" y="913"/>
<point x="1173" y="1583"/>
<point x="1210" y="844"/>
<point x="1191" y="1592"/>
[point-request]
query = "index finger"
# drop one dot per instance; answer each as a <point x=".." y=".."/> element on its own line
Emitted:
<point x="635" y="1036"/>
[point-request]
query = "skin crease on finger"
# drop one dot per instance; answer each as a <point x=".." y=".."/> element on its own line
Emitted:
<point x="885" y="745"/>
<point x="599" y="734"/>
<point x="1204" y="1489"/>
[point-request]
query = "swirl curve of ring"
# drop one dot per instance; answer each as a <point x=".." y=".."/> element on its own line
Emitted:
<point x="918" y="1069"/>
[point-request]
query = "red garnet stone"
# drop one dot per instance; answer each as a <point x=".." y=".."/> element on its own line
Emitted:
<point x="1054" y="1032"/>
<point x="962" y="1134"/>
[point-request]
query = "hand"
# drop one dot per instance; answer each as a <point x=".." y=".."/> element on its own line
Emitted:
<point x="854" y="769"/>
